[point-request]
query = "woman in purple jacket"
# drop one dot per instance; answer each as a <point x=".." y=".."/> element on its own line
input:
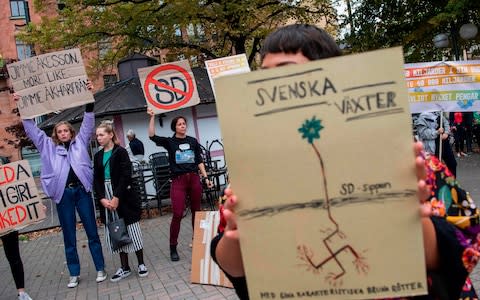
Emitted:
<point x="67" y="177"/>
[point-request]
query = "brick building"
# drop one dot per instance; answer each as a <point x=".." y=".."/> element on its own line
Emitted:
<point x="16" y="14"/>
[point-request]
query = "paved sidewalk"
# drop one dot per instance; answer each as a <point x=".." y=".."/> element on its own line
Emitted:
<point x="46" y="274"/>
<point x="468" y="173"/>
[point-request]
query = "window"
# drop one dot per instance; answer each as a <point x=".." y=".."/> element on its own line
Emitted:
<point x="17" y="8"/>
<point x="104" y="46"/>
<point x="33" y="157"/>
<point x="190" y="30"/>
<point x="178" y="31"/>
<point x="196" y="32"/>
<point x="109" y="80"/>
<point x="61" y="4"/>
<point x="181" y="57"/>
<point x="23" y="50"/>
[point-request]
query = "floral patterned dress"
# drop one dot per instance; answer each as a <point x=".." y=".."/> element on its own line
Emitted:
<point x="456" y="221"/>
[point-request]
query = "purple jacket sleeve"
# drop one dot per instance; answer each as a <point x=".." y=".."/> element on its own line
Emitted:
<point x="87" y="128"/>
<point x="38" y="136"/>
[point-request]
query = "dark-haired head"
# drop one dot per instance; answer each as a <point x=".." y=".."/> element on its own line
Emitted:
<point x="173" y="125"/>
<point x="314" y="43"/>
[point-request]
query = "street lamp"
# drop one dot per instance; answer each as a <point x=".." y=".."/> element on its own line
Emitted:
<point x="466" y="32"/>
<point x="441" y="40"/>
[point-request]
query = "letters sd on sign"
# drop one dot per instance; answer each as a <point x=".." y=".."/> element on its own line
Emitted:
<point x="169" y="87"/>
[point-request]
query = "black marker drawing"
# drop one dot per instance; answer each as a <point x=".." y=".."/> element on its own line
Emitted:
<point x="310" y="130"/>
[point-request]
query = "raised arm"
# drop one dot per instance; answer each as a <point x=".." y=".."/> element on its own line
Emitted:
<point x="158" y="140"/>
<point x="88" y="124"/>
<point x="151" y="123"/>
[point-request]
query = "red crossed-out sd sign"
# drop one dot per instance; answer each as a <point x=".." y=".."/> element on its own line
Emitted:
<point x="169" y="86"/>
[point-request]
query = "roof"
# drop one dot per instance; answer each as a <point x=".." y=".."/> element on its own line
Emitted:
<point x="126" y="97"/>
<point x="136" y="56"/>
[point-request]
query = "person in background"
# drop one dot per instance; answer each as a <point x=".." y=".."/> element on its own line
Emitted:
<point x="113" y="190"/>
<point x="135" y="147"/>
<point x="66" y="177"/>
<point x="450" y="232"/>
<point x="468" y="122"/>
<point x="12" y="252"/>
<point x="184" y="155"/>
<point x="430" y="132"/>
<point x="457" y="123"/>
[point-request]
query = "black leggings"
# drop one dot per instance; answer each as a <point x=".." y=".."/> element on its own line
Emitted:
<point x="12" y="252"/>
<point x="459" y="135"/>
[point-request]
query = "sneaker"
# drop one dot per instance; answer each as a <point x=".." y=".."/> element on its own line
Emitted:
<point x="24" y="296"/>
<point x="121" y="273"/>
<point x="101" y="276"/>
<point x="73" y="282"/>
<point x="142" y="270"/>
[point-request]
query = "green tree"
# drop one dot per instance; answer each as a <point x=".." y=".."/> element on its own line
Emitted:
<point x="210" y="28"/>
<point x="411" y="24"/>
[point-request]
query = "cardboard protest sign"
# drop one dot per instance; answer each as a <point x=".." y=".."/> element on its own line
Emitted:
<point x="443" y="86"/>
<point x="320" y="157"/>
<point x="169" y="87"/>
<point x="20" y="203"/>
<point x="204" y="269"/>
<point x="230" y="65"/>
<point x="50" y="82"/>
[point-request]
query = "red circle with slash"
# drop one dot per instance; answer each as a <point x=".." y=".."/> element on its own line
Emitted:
<point x="168" y="68"/>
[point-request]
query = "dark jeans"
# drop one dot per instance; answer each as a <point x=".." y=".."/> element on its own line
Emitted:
<point x="469" y="138"/>
<point x="12" y="252"/>
<point x="182" y="186"/>
<point x="459" y="135"/>
<point x="77" y="198"/>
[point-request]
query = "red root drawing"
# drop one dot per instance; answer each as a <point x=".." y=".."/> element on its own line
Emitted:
<point x="310" y="130"/>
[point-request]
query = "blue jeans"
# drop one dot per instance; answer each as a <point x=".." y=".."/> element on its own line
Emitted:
<point x="77" y="197"/>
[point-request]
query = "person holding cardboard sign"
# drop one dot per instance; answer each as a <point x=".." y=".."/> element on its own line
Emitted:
<point x="451" y="241"/>
<point x="67" y="178"/>
<point x="185" y="163"/>
<point x="112" y="182"/>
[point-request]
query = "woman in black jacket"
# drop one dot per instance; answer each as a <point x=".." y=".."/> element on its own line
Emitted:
<point x="112" y="171"/>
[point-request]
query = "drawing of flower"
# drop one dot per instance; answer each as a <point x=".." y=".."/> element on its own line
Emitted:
<point x="310" y="130"/>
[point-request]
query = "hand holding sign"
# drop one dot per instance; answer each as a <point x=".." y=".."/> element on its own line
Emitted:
<point x="169" y="87"/>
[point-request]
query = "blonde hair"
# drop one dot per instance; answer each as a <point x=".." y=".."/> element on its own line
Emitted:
<point x="55" y="138"/>
<point x="107" y="125"/>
